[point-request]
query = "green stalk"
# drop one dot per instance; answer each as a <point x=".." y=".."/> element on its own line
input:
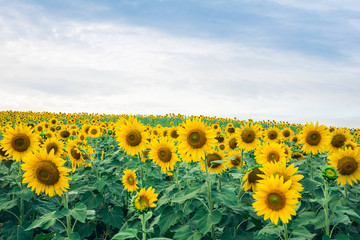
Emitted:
<point x="326" y="210"/>
<point x="345" y="191"/>
<point x="68" y="218"/>
<point x="141" y="171"/>
<point x="143" y="224"/>
<point x="286" y="236"/>
<point x="311" y="168"/>
<point x="21" y="199"/>
<point x="208" y="184"/>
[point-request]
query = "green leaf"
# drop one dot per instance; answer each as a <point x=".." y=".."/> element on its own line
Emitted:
<point x="304" y="218"/>
<point x="160" y="238"/>
<point x="125" y="234"/>
<point x="218" y="162"/>
<point x="79" y="212"/>
<point x="205" y="220"/>
<point x="92" y="200"/>
<point x="15" y="232"/>
<point x="100" y="184"/>
<point x="8" y="204"/>
<point x="227" y="196"/>
<point x="168" y="218"/>
<point x="183" y="233"/>
<point x="341" y="236"/>
<point x="148" y="215"/>
<point x="43" y="236"/>
<point x="195" y="236"/>
<point x="112" y="217"/>
<point x="191" y="195"/>
<point x="302" y="232"/>
<point x="65" y="212"/>
<point x="45" y="221"/>
<point x="271" y="229"/>
<point x="73" y="236"/>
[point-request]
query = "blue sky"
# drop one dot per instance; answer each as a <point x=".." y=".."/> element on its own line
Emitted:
<point x="294" y="61"/>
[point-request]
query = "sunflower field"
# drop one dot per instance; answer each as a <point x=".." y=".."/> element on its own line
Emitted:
<point x="97" y="176"/>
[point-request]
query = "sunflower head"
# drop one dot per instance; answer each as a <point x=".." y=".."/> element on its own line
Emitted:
<point x="329" y="174"/>
<point x="144" y="200"/>
<point x="129" y="180"/>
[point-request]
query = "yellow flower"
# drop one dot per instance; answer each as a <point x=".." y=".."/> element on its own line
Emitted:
<point x="213" y="167"/>
<point x="248" y="136"/>
<point x="315" y="138"/>
<point x="338" y="139"/>
<point x="20" y="142"/>
<point x="252" y="178"/>
<point x="162" y="152"/>
<point x="275" y="200"/>
<point x="53" y="144"/>
<point x="271" y="152"/>
<point x="144" y="200"/>
<point x="45" y="173"/>
<point x="347" y="164"/>
<point x="129" y="180"/>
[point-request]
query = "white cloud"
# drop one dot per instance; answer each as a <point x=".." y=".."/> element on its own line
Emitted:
<point x="75" y="66"/>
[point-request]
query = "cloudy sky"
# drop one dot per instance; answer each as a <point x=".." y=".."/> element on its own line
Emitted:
<point x="283" y="60"/>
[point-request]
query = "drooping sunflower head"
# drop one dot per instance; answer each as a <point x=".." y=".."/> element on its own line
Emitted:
<point x="347" y="163"/>
<point x="195" y="138"/>
<point x="45" y="173"/>
<point x="211" y="165"/>
<point x="144" y="200"/>
<point x="20" y="141"/>
<point x="298" y="156"/>
<point x="314" y="138"/>
<point x="338" y="139"/>
<point x="129" y="180"/>
<point x="235" y="159"/>
<point x="275" y="199"/>
<point x="252" y="178"/>
<point x="53" y="144"/>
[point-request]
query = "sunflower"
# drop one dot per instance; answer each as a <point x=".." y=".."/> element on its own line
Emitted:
<point x="230" y="129"/>
<point x="231" y="142"/>
<point x="270" y="152"/>
<point x="3" y="154"/>
<point x="315" y="138"/>
<point x="298" y="156"/>
<point x="132" y="136"/>
<point x="236" y="160"/>
<point x="272" y="134"/>
<point x="144" y="200"/>
<point x="287" y="133"/>
<point x="74" y="153"/>
<point x="53" y="121"/>
<point x="248" y="136"/>
<point x="213" y="167"/>
<point x="94" y="131"/>
<point x="288" y="173"/>
<point x="195" y="138"/>
<point x="55" y="145"/>
<point x="20" y="142"/>
<point x="275" y="200"/>
<point x="338" y="138"/>
<point x="173" y="133"/>
<point x="129" y="180"/>
<point x="347" y="164"/>
<point x="350" y="144"/>
<point x="163" y="153"/>
<point x="252" y="178"/>
<point x="45" y="173"/>
<point x="64" y="134"/>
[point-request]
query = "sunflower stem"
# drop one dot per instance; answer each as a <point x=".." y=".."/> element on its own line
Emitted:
<point x="21" y="199"/>
<point x="311" y="168"/>
<point x="141" y="171"/>
<point x="208" y="184"/>
<point x="143" y="224"/>
<point x="286" y="236"/>
<point x="346" y="191"/>
<point x="68" y="218"/>
<point x="326" y="210"/>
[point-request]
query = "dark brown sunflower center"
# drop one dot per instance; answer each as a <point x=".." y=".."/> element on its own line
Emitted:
<point x="222" y="147"/>
<point x="164" y="154"/>
<point x="347" y="166"/>
<point x="174" y="134"/>
<point x="220" y="139"/>
<point x="52" y="146"/>
<point x="133" y="138"/>
<point x="233" y="143"/>
<point x="75" y="154"/>
<point x="253" y="176"/>
<point x="47" y="172"/>
<point x="196" y="138"/>
<point x="65" y="134"/>
<point x="286" y="133"/>
<point x="94" y="132"/>
<point x="338" y="141"/>
<point x="313" y="138"/>
<point x="231" y="130"/>
<point x="213" y="157"/>
<point x="20" y="142"/>
<point x="236" y="162"/>
<point x="295" y="139"/>
<point x="248" y="136"/>
<point x="276" y="201"/>
<point x="272" y="135"/>
<point x="273" y="156"/>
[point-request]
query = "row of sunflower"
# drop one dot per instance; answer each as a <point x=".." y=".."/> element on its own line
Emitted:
<point x="270" y="161"/>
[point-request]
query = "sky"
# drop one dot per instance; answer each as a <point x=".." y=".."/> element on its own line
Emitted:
<point x="282" y="60"/>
